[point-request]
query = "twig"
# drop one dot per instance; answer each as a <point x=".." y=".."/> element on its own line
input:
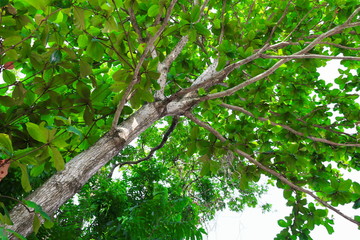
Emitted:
<point x="305" y="56"/>
<point x="270" y="171"/>
<point x="284" y="44"/>
<point x="16" y="200"/>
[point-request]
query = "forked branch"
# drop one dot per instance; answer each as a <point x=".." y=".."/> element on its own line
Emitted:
<point x="153" y="150"/>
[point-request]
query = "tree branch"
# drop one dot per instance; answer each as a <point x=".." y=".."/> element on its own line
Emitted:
<point x="284" y="44"/>
<point x="305" y="56"/>
<point x="164" y="67"/>
<point x="136" y="79"/>
<point x="153" y="150"/>
<point x="316" y="41"/>
<point x="240" y="109"/>
<point x="268" y="170"/>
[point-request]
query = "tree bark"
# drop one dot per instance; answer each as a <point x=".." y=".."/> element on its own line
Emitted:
<point x="65" y="184"/>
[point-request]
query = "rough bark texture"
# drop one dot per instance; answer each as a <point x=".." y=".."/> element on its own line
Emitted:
<point x="63" y="185"/>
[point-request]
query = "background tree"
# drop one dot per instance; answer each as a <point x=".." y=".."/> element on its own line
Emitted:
<point x="82" y="79"/>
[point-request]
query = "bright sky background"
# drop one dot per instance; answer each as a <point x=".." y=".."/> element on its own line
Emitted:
<point x="252" y="224"/>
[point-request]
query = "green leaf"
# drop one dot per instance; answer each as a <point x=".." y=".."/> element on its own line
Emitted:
<point x="36" y="223"/>
<point x="79" y="18"/>
<point x="37" y="170"/>
<point x="283" y="223"/>
<point x="82" y="41"/>
<point x="85" y="69"/>
<point x="38" y="4"/>
<point x="83" y="90"/>
<point x="195" y="13"/>
<point x="200" y="28"/>
<point x="356" y="204"/>
<point x="251" y="35"/>
<point x="7" y="101"/>
<point x="9" y="77"/>
<point x="36" y="132"/>
<point x="25" y="182"/>
<point x="48" y="224"/>
<point x="95" y="50"/>
<point x="88" y="116"/>
<point x="153" y="10"/>
<point x="57" y="158"/>
<point x="5" y="142"/>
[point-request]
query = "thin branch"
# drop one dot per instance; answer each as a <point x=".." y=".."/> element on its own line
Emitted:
<point x="284" y="44"/>
<point x="240" y="109"/>
<point x="270" y="171"/>
<point x="164" y="67"/>
<point x="278" y="22"/>
<point x="305" y="56"/>
<point x="250" y="12"/>
<point x="153" y="150"/>
<point x="134" y="22"/>
<point x="302" y="21"/>
<point x="136" y="79"/>
<point x="316" y="41"/>
<point x="18" y="201"/>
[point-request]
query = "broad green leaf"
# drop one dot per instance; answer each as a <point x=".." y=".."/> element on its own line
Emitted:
<point x="5" y="142"/>
<point x="153" y="10"/>
<point x="7" y="101"/>
<point x="95" y="49"/>
<point x="83" y="90"/>
<point x="38" y="4"/>
<point x="57" y="158"/>
<point x="8" y="76"/>
<point x="37" y="170"/>
<point x="195" y="13"/>
<point x="36" y="223"/>
<point x="88" y="116"/>
<point x="82" y="41"/>
<point x="200" y="28"/>
<point x="36" y="132"/>
<point x="48" y="224"/>
<point x="25" y="182"/>
<point x="79" y="18"/>
<point x="85" y="69"/>
<point x="283" y="223"/>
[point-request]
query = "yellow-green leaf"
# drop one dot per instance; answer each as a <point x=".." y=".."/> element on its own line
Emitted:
<point x="153" y="10"/>
<point x="36" y="133"/>
<point x="5" y="142"/>
<point x="57" y="158"/>
<point x="36" y="223"/>
<point x="25" y="182"/>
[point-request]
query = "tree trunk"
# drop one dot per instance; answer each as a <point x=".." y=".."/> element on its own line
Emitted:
<point x="63" y="185"/>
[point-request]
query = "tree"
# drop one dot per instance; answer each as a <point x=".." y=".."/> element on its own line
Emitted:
<point x="90" y="76"/>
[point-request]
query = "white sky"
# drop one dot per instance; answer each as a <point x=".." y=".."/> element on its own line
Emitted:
<point x="252" y="224"/>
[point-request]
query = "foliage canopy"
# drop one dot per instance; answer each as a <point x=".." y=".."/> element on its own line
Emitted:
<point x="219" y="93"/>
